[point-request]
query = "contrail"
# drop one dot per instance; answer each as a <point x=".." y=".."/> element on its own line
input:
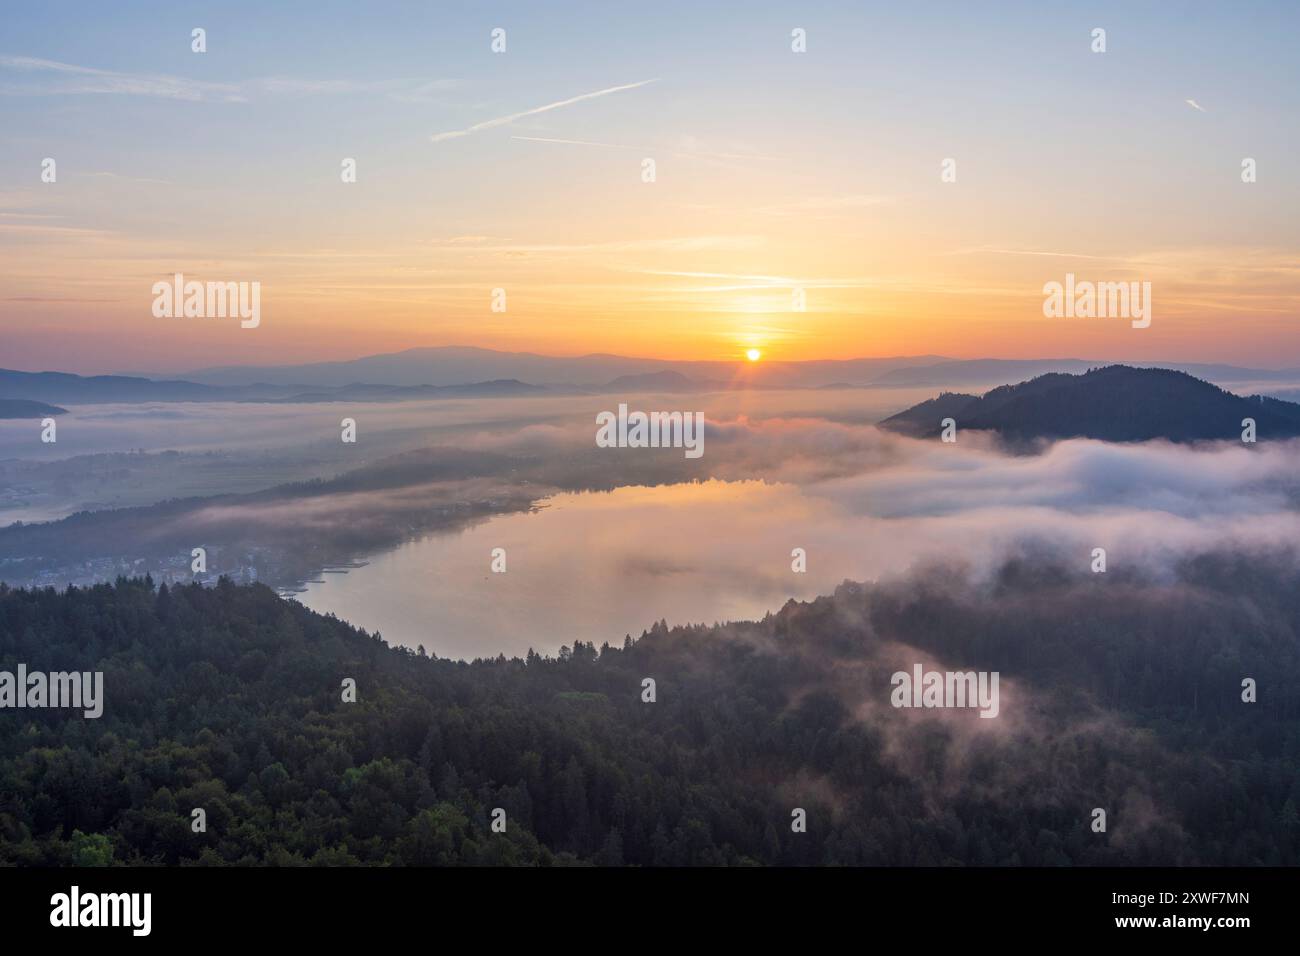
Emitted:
<point x="505" y="120"/>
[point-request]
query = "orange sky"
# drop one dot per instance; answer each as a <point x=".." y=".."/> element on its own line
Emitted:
<point x="773" y="173"/>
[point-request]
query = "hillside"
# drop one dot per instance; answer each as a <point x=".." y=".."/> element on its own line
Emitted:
<point x="922" y="420"/>
<point x="1116" y="403"/>
<point x="21" y="408"/>
<point x="97" y="389"/>
<point x="228" y="699"/>
<point x="975" y="372"/>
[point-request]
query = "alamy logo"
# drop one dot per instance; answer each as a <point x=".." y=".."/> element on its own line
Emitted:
<point x="208" y="300"/>
<point x="924" y="688"/>
<point x="78" y="690"/>
<point x="74" y="908"/>
<point x="1098" y="300"/>
<point x="653" y="430"/>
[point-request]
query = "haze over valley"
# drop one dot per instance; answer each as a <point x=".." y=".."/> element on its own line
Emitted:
<point x="395" y="532"/>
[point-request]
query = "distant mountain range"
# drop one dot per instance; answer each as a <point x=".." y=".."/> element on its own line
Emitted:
<point x="35" y="387"/>
<point x="98" y="389"/>
<point x="359" y="392"/>
<point x="1116" y="403"/>
<point x="661" y="382"/>
<point x="442" y="373"/>
<point x="457" y="365"/>
<point x="472" y="372"/>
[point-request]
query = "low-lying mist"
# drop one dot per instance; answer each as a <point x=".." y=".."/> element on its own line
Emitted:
<point x="795" y="493"/>
<point x="863" y="505"/>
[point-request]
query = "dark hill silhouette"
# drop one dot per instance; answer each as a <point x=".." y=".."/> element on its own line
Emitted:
<point x="922" y="420"/>
<point x="1116" y="403"/>
<point x="20" y="408"/>
<point x="95" y="389"/>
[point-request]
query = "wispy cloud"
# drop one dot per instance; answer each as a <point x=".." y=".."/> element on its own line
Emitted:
<point x="855" y="282"/>
<point x="572" y="142"/>
<point x="71" y="79"/>
<point x="987" y="250"/>
<point x="52" y="78"/>
<point x="403" y="90"/>
<point x="11" y="199"/>
<point x="1195" y="105"/>
<point x="47" y="300"/>
<point x="66" y="231"/>
<point x="513" y="117"/>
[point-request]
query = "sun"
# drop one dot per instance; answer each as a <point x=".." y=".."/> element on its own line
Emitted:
<point x="753" y="355"/>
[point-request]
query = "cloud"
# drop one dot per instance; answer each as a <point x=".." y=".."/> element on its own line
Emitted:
<point x="57" y="231"/>
<point x="400" y="90"/>
<point x="66" y="79"/>
<point x="1030" y="252"/>
<point x="45" y="300"/>
<point x="72" y="79"/>
<point x="572" y="142"/>
<point x="865" y="505"/>
<point x="558" y="104"/>
<point x="696" y="243"/>
<point x="855" y="282"/>
<point x="1195" y="105"/>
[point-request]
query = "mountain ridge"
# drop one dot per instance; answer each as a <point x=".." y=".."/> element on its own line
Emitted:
<point x="460" y="365"/>
<point x="1118" y="403"/>
<point x="11" y="408"/>
<point x="384" y="386"/>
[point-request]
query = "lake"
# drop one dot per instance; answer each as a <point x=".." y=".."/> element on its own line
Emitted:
<point x="591" y="567"/>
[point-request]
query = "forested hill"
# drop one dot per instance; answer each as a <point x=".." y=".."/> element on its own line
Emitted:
<point x="1115" y="403"/>
<point x="228" y="699"/>
<point x="18" y="408"/>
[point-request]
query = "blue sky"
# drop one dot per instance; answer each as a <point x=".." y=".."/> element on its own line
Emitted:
<point x="228" y="161"/>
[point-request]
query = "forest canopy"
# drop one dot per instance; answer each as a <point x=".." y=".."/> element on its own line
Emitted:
<point x="1118" y="693"/>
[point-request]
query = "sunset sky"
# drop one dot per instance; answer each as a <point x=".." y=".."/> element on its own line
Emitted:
<point x="523" y="170"/>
